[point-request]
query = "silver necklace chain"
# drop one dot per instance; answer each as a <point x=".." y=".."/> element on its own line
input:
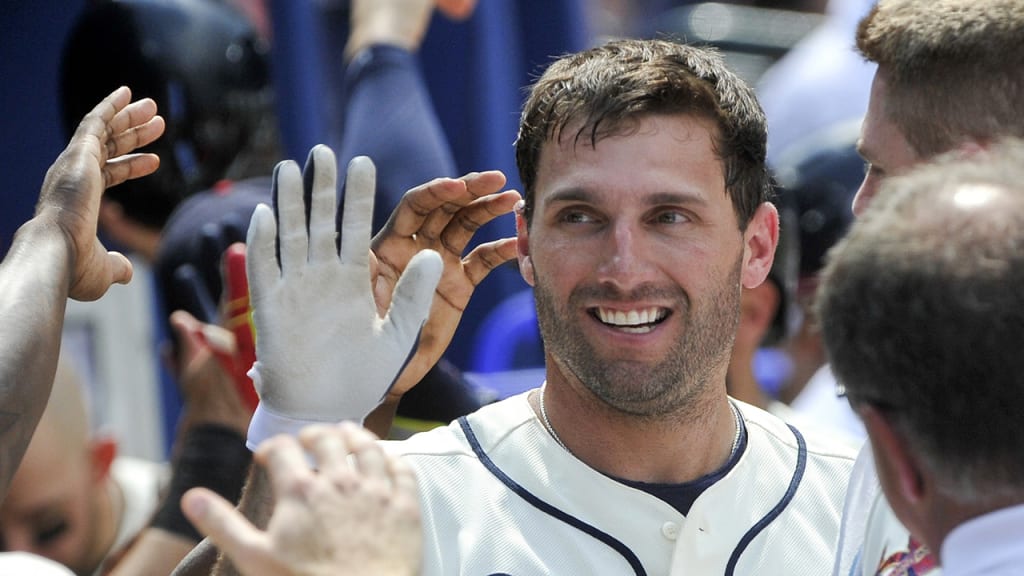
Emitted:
<point x="546" y="422"/>
<point x="551" y="429"/>
<point x="739" y="429"/>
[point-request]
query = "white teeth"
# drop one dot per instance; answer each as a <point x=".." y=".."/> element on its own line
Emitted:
<point x="634" y="319"/>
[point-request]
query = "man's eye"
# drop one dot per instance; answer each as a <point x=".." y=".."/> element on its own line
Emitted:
<point x="48" y="533"/>
<point x="672" y="217"/>
<point x="576" y="218"/>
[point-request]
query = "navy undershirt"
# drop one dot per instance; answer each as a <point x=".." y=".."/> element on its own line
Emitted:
<point x="682" y="496"/>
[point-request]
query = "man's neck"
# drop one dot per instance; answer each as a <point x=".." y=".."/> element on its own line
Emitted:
<point x="672" y="448"/>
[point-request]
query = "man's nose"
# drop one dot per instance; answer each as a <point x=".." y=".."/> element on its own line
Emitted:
<point x="625" y="257"/>
<point x="865" y="194"/>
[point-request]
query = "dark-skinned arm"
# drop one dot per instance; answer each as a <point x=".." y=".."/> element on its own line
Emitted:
<point x="56" y="255"/>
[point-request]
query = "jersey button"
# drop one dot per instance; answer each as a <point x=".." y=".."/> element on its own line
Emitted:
<point x="670" y="530"/>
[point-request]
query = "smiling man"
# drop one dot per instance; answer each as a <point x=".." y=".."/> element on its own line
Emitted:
<point x="646" y="214"/>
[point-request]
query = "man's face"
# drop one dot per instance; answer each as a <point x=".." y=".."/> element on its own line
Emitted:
<point x="51" y="507"/>
<point x="882" y="145"/>
<point x="637" y="261"/>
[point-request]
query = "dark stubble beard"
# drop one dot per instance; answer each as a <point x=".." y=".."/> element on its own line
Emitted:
<point x="672" y="386"/>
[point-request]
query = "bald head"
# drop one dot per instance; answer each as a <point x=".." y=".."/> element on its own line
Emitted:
<point x="59" y="498"/>
<point x="922" y="312"/>
<point x="67" y="413"/>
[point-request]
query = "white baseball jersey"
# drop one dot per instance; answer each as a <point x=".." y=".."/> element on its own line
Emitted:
<point x="500" y="496"/>
<point x="872" y="541"/>
<point x="23" y="563"/>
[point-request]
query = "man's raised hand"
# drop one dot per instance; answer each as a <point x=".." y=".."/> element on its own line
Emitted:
<point x="98" y="157"/>
<point x="442" y="215"/>
<point x="326" y="351"/>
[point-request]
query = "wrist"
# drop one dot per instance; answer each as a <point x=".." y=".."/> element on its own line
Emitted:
<point x="267" y="423"/>
<point x="210" y="456"/>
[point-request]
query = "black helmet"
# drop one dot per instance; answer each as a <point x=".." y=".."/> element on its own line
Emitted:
<point x="204" y="65"/>
<point x="784" y="273"/>
<point x="822" y="176"/>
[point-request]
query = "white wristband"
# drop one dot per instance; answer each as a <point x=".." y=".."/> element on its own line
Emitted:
<point x="266" y="423"/>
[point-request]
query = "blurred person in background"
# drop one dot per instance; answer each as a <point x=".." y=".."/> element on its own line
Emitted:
<point x="73" y="499"/>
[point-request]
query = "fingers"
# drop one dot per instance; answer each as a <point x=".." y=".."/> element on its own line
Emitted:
<point x="357" y="218"/>
<point x="329" y="449"/>
<point x="445" y="213"/>
<point x="260" y="261"/>
<point x="95" y="123"/>
<point x="188" y="329"/>
<point x="370" y="459"/>
<point x="238" y="319"/>
<point x="419" y="203"/>
<point x="478" y="185"/>
<point x="348" y="454"/>
<point x="293" y="239"/>
<point x="286" y="465"/>
<point x="465" y="223"/>
<point x="414" y="294"/>
<point x="130" y="167"/>
<point x="488" y="256"/>
<point x="236" y="291"/>
<point x="133" y="127"/>
<point x="214" y="517"/>
<point x="122" y="126"/>
<point x="321" y="166"/>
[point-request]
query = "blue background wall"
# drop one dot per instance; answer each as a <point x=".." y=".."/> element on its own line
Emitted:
<point x="31" y="35"/>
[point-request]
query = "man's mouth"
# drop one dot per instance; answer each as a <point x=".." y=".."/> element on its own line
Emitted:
<point x="639" y="321"/>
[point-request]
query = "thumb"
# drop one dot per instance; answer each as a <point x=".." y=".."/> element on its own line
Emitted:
<point x="188" y="330"/>
<point x="121" y="267"/>
<point x="414" y="293"/>
<point x="217" y="519"/>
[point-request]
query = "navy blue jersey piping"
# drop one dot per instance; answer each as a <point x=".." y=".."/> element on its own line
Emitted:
<point x="543" y="506"/>
<point x="794" y="483"/>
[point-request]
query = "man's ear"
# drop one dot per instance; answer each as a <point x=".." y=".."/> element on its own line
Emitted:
<point x="759" y="242"/>
<point x="523" y="248"/>
<point x="900" y="471"/>
<point x="102" y="451"/>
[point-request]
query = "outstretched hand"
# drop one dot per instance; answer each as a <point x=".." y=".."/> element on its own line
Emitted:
<point x="98" y="157"/>
<point x="356" y="512"/>
<point x="442" y="215"/>
<point x="325" y="350"/>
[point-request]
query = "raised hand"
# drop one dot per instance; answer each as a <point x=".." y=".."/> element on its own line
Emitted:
<point x="326" y="351"/>
<point x="207" y="377"/>
<point x="234" y="346"/>
<point x="442" y="215"/>
<point x="98" y="157"/>
<point x="356" y="512"/>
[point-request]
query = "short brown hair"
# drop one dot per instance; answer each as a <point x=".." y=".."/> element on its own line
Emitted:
<point x="955" y="68"/>
<point x="605" y="90"/>
<point x="922" y="311"/>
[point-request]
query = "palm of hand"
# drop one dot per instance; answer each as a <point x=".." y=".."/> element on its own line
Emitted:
<point x="441" y="215"/>
<point x="98" y="157"/>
